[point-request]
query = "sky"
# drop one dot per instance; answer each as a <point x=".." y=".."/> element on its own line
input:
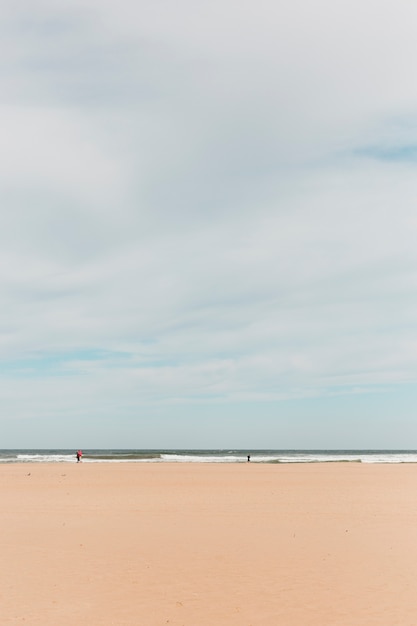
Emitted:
<point x="208" y="224"/>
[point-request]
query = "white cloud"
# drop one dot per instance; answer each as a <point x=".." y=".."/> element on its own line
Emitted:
<point x="224" y="193"/>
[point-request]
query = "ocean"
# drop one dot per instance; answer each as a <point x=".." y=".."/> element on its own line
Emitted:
<point x="210" y="456"/>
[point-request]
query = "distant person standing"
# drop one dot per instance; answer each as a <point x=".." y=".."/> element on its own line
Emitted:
<point x="248" y="458"/>
<point x="79" y="455"/>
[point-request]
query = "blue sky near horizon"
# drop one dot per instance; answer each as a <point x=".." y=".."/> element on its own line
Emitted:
<point x="208" y="225"/>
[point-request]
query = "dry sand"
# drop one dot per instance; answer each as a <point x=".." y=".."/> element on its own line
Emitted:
<point x="208" y="545"/>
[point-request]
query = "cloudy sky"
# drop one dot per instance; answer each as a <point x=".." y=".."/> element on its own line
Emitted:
<point x="208" y="224"/>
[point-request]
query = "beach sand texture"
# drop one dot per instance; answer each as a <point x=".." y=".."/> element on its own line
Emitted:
<point x="208" y="544"/>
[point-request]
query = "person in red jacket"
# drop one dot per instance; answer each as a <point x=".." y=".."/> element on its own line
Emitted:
<point x="79" y="455"/>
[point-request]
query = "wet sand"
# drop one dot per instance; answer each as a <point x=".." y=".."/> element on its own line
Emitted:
<point x="208" y="545"/>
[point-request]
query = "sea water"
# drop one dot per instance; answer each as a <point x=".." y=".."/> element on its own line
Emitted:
<point x="210" y="456"/>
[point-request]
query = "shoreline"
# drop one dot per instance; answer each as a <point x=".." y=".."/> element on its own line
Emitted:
<point x="211" y="456"/>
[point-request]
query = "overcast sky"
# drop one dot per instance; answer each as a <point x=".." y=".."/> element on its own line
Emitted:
<point x="208" y="224"/>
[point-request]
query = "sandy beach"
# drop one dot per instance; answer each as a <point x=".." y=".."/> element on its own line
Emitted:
<point x="208" y="544"/>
